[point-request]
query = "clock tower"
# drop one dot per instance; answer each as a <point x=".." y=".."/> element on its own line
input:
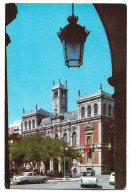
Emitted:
<point x="59" y="97"/>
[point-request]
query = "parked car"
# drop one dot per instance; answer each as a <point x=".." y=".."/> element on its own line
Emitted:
<point x="88" y="179"/>
<point x="29" y="177"/>
<point x="112" y="179"/>
<point x="91" y="170"/>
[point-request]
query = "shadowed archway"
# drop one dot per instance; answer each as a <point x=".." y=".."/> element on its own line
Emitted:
<point x="114" y="19"/>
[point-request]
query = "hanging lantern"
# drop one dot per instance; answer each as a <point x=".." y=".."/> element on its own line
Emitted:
<point x="73" y="37"/>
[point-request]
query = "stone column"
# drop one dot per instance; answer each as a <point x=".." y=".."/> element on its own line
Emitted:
<point x="71" y="138"/>
<point x="23" y="126"/>
<point x="36" y="122"/>
<point x="69" y="134"/>
<point x="59" y="167"/>
<point x="119" y="84"/>
<point x="100" y="142"/>
<point x="59" y="101"/>
<point x="31" y="124"/>
<point x="51" y="165"/>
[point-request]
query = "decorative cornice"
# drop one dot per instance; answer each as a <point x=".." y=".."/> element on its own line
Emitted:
<point x="119" y="83"/>
<point x="89" y="128"/>
<point x="36" y="112"/>
<point x="93" y="96"/>
<point x="117" y="80"/>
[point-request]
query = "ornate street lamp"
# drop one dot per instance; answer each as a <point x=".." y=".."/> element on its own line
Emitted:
<point x="73" y="37"/>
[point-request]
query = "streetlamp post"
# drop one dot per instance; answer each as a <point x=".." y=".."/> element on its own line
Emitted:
<point x="64" y="151"/>
<point x="64" y="169"/>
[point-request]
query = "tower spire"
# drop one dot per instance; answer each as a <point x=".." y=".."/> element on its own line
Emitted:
<point x="59" y="81"/>
<point x="66" y="83"/>
<point x="23" y="110"/>
<point x="100" y="86"/>
<point x="78" y="93"/>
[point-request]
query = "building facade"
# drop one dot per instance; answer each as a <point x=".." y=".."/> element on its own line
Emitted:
<point x="88" y="129"/>
<point x="14" y="131"/>
<point x="15" y="127"/>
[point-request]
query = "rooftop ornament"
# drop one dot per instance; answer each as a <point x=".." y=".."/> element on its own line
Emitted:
<point x="73" y="37"/>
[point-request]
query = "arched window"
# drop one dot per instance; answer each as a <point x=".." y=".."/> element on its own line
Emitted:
<point x="104" y="109"/>
<point x="25" y="125"/>
<point x="74" y="139"/>
<point x="89" y="111"/>
<point x="82" y="112"/>
<point x="29" y="124"/>
<point x="65" y="137"/>
<point x="33" y="123"/>
<point x="109" y="110"/>
<point x="56" y="94"/>
<point x="95" y="109"/>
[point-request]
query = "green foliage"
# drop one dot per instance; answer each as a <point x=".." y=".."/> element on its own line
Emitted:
<point x="34" y="148"/>
<point x="21" y="169"/>
<point x="16" y="153"/>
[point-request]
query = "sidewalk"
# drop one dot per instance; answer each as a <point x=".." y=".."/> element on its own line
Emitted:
<point x="51" y="179"/>
<point x="63" y="179"/>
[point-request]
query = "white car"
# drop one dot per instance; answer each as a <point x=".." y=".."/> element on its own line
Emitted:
<point x="112" y="179"/>
<point x="88" y="179"/>
<point x="29" y="177"/>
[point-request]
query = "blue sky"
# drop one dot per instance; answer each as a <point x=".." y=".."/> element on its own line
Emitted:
<point x="35" y="57"/>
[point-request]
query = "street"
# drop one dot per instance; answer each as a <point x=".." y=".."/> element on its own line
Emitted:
<point x="72" y="184"/>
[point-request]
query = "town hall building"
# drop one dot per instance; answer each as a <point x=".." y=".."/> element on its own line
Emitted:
<point x="90" y="127"/>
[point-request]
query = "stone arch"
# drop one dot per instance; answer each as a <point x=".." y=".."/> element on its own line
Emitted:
<point x="25" y="125"/>
<point x="109" y="110"/>
<point x="82" y="112"/>
<point x="95" y="109"/>
<point x="104" y="109"/>
<point x="33" y="123"/>
<point x="89" y="110"/>
<point x="114" y="19"/>
<point x="65" y="137"/>
<point x="29" y="124"/>
<point x="74" y="139"/>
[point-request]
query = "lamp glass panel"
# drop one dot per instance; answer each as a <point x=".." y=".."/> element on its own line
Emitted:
<point x="73" y="52"/>
<point x="64" y="49"/>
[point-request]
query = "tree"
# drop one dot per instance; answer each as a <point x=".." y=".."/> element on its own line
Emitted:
<point x="16" y="153"/>
<point x="34" y="148"/>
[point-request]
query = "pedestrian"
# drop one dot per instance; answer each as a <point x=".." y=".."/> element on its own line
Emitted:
<point x="75" y="172"/>
<point x="41" y="172"/>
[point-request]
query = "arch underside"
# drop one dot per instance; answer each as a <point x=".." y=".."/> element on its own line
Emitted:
<point x="114" y="20"/>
